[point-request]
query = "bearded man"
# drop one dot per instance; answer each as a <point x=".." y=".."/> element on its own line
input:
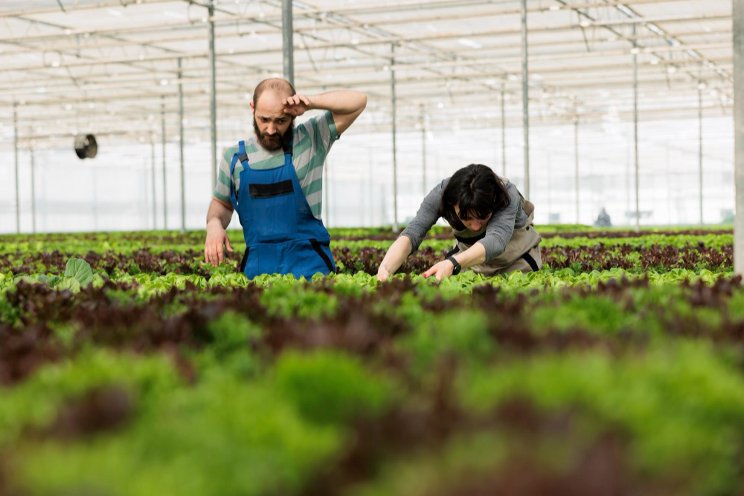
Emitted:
<point x="274" y="181"/>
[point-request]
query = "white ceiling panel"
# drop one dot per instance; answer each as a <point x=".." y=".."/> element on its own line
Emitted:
<point x="114" y="63"/>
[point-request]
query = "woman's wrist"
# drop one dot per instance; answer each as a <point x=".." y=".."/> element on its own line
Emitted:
<point x="456" y="267"/>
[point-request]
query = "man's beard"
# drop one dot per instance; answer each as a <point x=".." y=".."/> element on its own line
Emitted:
<point x="270" y="142"/>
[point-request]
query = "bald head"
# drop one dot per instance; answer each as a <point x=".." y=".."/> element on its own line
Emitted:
<point x="281" y="86"/>
<point x="270" y="121"/>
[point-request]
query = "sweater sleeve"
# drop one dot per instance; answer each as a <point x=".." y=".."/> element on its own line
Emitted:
<point x="501" y="226"/>
<point x="427" y="216"/>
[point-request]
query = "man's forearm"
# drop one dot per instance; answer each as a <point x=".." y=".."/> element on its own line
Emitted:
<point x="339" y="102"/>
<point x="344" y="105"/>
<point x="219" y="213"/>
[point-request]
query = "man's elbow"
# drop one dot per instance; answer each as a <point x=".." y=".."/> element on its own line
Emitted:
<point x="219" y="209"/>
<point x="359" y="105"/>
<point x="225" y="205"/>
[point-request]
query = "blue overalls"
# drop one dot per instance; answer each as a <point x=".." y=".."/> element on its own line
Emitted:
<point x="282" y="236"/>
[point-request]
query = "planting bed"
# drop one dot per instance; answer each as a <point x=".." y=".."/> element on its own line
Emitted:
<point x="130" y="367"/>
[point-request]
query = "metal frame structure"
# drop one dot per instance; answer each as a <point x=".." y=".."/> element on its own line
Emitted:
<point x="107" y="66"/>
<point x="123" y="54"/>
<point x="738" y="62"/>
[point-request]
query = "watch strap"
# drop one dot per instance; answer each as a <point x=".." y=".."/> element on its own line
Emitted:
<point x="456" y="266"/>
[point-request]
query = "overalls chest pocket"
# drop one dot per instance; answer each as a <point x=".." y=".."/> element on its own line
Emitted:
<point x="258" y="191"/>
<point x="270" y="206"/>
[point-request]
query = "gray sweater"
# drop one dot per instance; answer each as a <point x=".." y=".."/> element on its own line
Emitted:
<point x="498" y="231"/>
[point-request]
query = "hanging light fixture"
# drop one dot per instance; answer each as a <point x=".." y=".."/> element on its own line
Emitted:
<point x="86" y="146"/>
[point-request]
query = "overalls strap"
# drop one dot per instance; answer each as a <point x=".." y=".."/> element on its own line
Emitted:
<point x="243" y="157"/>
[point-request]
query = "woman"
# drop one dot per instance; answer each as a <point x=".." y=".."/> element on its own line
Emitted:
<point x="490" y="219"/>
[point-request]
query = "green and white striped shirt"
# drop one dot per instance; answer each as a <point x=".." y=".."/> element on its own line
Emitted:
<point x="312" y="141"/>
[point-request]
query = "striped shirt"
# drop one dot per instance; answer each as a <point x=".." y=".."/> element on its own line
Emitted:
<point x="311" y="142"/>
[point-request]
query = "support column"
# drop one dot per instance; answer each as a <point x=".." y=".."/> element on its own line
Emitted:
<point x="738" y="30"/>
<point x="180" y="146"/>
<point x="525" y="102"/>
<point x="635" y="133"/>
<point x="15" y="150"/>
<point x="94" y="173"/>
<point x="152" y="182"/>
<point x="287" y="41"/>
<point x="33" y="188"/>
<point x="503" y="134"/>
<point x="423" y="151"/>
<point x="576" y="163"/>
<point x="700" y="150"/>
<point x="371" y="189"/>
<point x="212" y="96"/>
<point x="393" y="105"/>
<point x="165" y="176"/>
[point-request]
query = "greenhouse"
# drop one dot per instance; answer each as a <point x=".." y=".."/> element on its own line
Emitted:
<point x="422" y="247"/>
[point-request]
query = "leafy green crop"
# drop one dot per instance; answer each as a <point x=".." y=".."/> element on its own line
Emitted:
<point x="330" y="388"/>
<point x="77" y="275"/>
<point x="681" y="404"/>
<point x="129" y="366"/>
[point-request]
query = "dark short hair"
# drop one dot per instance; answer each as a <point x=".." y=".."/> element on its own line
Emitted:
<point x="478" y="192"/>
<point x="276" y="84"/>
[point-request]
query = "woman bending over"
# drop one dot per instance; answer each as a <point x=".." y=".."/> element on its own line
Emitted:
<point x="491" y="222"/>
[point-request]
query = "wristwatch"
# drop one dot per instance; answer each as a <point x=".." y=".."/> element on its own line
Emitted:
<point x="456" y="266"/>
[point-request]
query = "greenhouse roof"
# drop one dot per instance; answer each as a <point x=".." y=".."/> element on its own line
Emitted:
<point x="113" y="66"/>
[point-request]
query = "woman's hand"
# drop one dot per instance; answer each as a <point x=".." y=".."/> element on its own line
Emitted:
<point x="394" y="258"/>
<point x="383" y="274"/>
<point x="440" y="270"/>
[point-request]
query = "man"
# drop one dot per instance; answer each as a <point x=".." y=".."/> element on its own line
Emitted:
<point x="274" y="181"/>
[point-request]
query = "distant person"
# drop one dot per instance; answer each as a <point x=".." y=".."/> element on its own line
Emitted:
<point x="603" y="219"/>
<point x="274" y="181"/>
<point x="491" y="221"/>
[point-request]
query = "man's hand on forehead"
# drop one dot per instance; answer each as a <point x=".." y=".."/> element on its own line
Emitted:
<point x="296" y="105"/>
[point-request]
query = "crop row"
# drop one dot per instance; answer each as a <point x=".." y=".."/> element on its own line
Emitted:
<point x="190" y="261"/>
<point x="616" y="370"/>
<point x="113" y="314"/>
<point x="440" y="238"/>
<point x="400" y="390"/>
